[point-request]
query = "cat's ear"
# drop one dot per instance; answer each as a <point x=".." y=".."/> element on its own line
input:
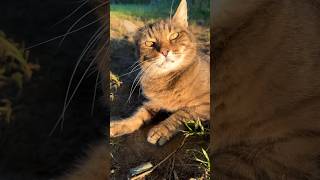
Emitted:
<point x="130" y="27"/>
<point x="181" y="15"/>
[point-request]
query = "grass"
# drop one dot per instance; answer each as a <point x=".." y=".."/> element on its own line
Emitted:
<point x="203" y="159"/>
<point x="162" y="10"/>
<point x="196" y="128"/>
<point x="114" y="85"/>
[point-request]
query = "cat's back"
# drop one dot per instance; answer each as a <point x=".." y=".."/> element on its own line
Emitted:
<point x="267" y="75"/>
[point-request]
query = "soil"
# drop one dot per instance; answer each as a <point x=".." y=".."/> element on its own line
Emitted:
<point x="27" y="150"/>
<point x="133" y="150"/>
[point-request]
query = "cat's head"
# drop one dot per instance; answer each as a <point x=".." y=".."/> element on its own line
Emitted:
<point x="166" y="46"/>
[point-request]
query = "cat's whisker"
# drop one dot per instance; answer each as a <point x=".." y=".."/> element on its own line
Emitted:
<point x="89" y="45"/>
<point x="140" y="88"/>
<point x="132" y="71"/>
<point x="141" y="75"/>
<point x="73" y="12"/>
<point x="93" y="70"/>
<point x="60" y="36"/>
<point x="136" y="78"/>
<point x="134" y="64"/>
<point x="94" y="93"/>
<point x="80" y="81"/>
<point x="86" y="14"/>
<point x="66" y="104"/>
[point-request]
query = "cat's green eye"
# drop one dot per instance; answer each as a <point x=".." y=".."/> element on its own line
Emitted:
<point x="174" y="36"/>
<point x="149" y="43"/>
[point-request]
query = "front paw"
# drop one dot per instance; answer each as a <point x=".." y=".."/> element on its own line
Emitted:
<point x="121" y="127"/>
<point x="160" y="134"/>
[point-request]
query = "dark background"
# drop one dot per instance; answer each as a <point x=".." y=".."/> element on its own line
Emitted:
<point x="26" y="149"/>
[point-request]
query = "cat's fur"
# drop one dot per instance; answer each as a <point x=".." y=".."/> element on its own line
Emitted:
<point x="174" y="78"/>
<point x="266" y="122"/>
<point x="186" y="95"/>
<point x="95" y="166"/>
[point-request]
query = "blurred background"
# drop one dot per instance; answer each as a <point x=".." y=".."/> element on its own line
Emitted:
<point x="199" y="10"/>
<point x="33" y="84"/>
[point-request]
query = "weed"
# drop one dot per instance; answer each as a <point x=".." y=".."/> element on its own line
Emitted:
<point x="195" y="128"/>
<point x="114" y="85"/>
<point x="14" y="68"/>
<point x="204" y="160"/>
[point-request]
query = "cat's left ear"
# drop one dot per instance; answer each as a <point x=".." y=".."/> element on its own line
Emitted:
<point x="130" y="27"/>
<point x="181" y="15"/>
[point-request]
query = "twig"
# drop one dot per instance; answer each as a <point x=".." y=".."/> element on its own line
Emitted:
<point x="161" y="162"/>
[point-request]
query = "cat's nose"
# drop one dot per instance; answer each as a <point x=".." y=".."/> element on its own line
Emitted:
<point x="165" y="52"/>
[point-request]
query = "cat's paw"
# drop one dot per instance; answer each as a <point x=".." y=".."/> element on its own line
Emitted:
<point x="119" y="128"/>
<point x="160" y="134"/>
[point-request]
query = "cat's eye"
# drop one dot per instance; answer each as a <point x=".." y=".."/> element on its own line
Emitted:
<point x="174" y="36"/>
<point x="149" y="43"/>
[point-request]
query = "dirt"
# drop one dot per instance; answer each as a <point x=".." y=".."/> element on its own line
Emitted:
<point x="27" y="150"/>
<point x="133" y="150"/>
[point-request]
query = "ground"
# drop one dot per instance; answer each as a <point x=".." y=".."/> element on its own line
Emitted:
<point x="133" y="150"/>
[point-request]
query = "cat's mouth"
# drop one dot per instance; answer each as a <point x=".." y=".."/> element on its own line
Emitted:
<point x="164" y="60"/>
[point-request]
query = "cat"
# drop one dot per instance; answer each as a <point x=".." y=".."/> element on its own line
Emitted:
<point x="186" y="95"/>
<point x="266" y="76"/>
<point x="175" y="78"/>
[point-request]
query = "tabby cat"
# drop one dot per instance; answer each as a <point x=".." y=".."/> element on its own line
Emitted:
<point x="175" y="78"/>
<point x="266" y="77"/>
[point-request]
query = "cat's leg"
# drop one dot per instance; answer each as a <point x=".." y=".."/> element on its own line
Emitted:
<point x="133" y="123"/>
<point x="166" y="129"/>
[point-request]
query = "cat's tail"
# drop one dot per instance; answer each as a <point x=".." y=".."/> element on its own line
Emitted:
<point x="95" y="166"/>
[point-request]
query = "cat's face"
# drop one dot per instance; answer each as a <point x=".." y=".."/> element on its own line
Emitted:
<point x="166" y="46"/>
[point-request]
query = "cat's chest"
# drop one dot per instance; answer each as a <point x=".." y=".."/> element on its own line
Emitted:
<point x="170" y="99"/>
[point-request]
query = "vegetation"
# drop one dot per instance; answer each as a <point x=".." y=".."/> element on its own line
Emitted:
<point x="199" y="10"/>
<point x="114" y="85"/>
<point x="14" y="71"/>
<point x="196" y="128"/>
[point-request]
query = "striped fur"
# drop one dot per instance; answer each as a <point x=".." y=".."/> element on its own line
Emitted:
<point x="266" y="122"/>
<point x="179" y="84"/>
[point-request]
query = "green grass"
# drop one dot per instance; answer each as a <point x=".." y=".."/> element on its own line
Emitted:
<point x="147" y="12"/>
<point x="203" y="159"/>
<point x="196" y="128"/>
<point x="114" y="85"/>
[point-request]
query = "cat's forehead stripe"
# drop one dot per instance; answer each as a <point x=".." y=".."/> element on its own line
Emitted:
<point x="157" y="29"/>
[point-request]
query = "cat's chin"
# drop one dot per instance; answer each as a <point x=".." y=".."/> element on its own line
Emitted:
<point x="167" y="65"/>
